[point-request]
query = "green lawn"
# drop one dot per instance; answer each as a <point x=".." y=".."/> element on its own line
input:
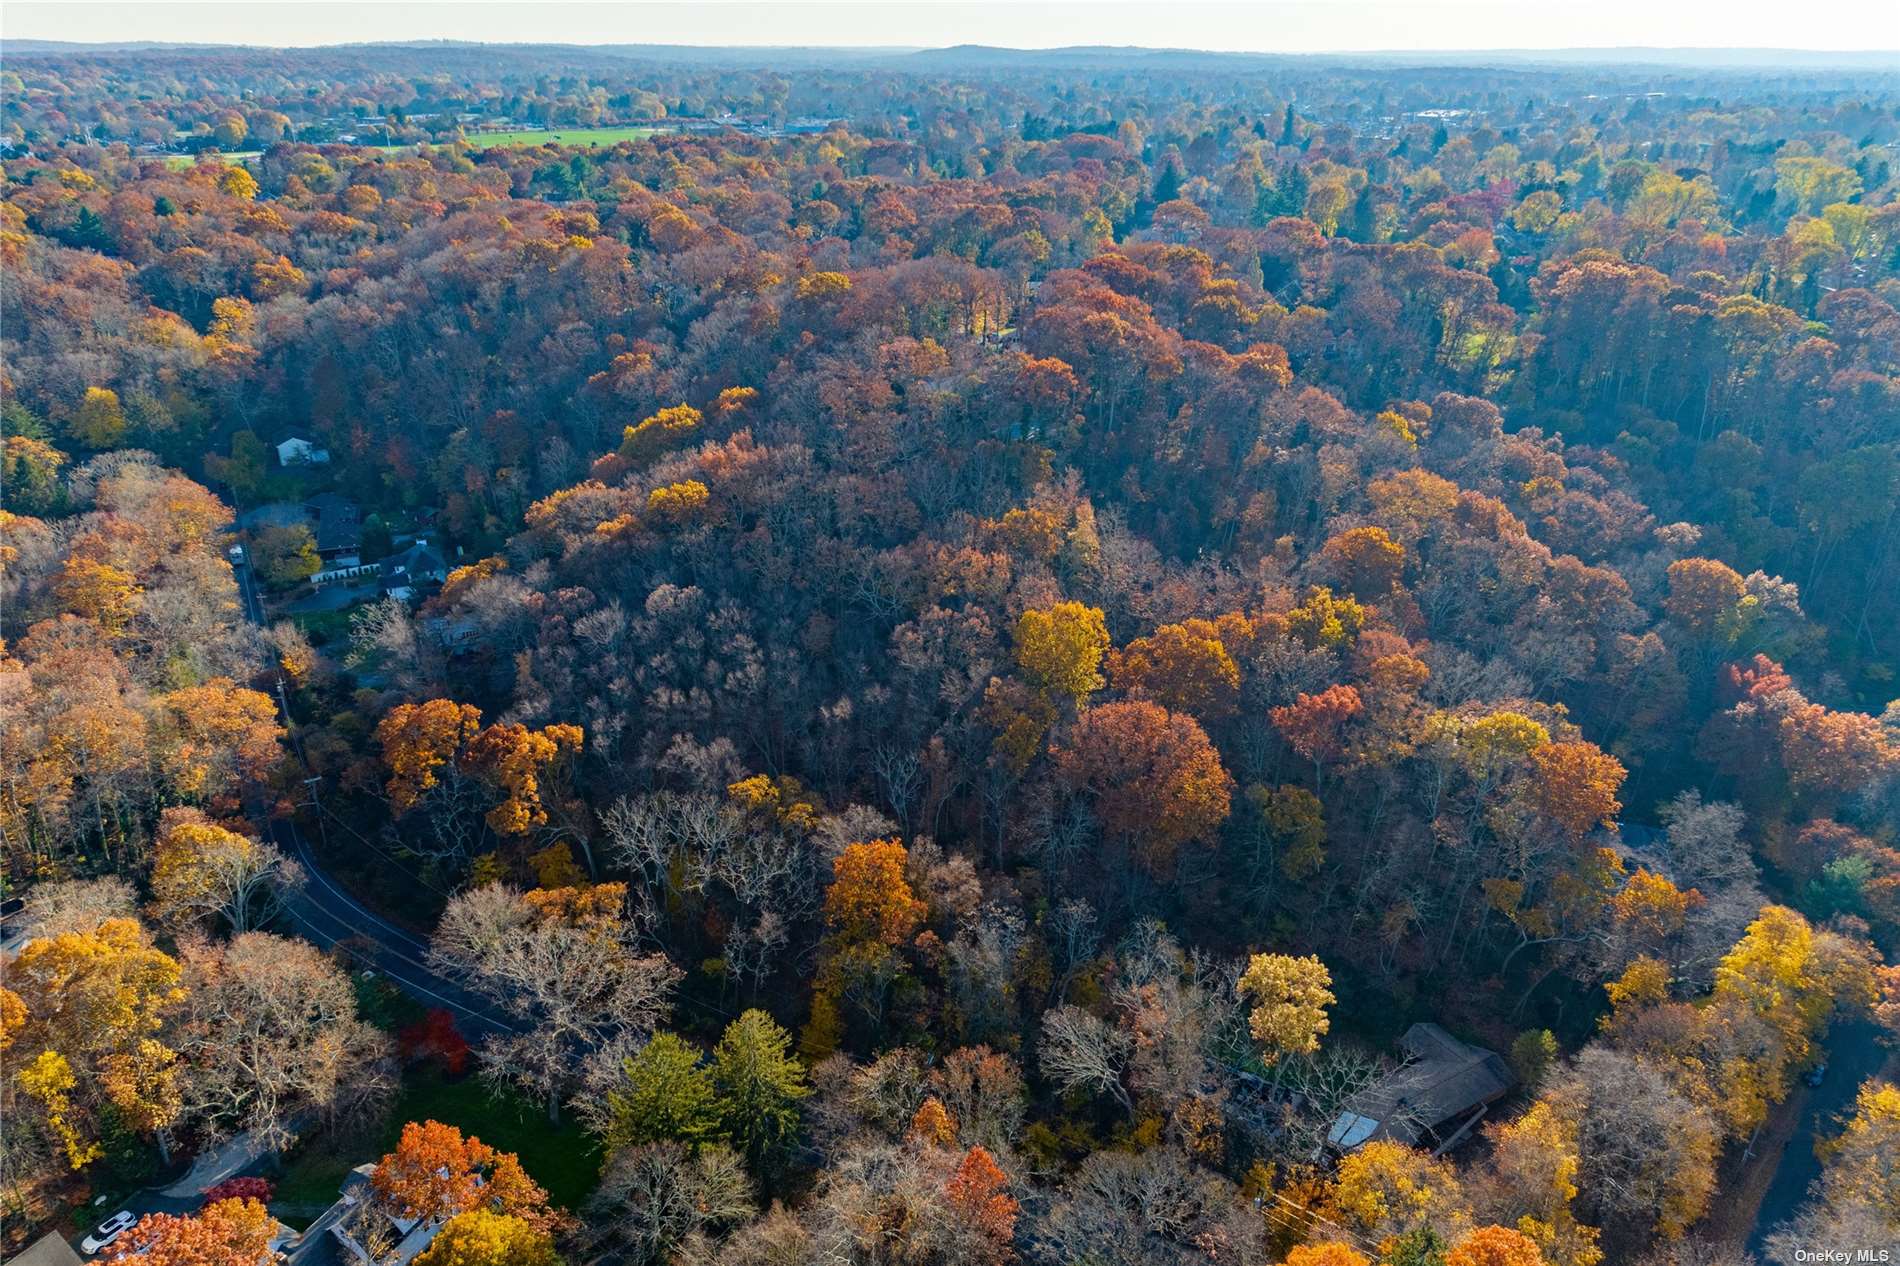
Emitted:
<point x="324" y="628"/>
<point x="478" y="140"/>
<point x="566" y="1161"/>
<point x="569" y="136"/>
<point x="179" y="162"/>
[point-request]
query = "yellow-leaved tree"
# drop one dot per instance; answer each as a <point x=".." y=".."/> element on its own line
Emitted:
<point x="88" y="1006"/>
<point x="1060" y="649"/>
<point x="1290" y="997"/>
<point x="1386" y="1189"/>
<point x="484" y="1238"/>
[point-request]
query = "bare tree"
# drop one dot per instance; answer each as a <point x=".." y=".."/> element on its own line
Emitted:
<point x="1706" y="849"/>
<point x="1648" y="1152"/>
<point x="386" y="636"/>
<point x="1081" y="1051"/>
<point x="270" y="1036"/>
<point x="653" y="1197"/>
<point x="572" y="980"/>
<point x="777" y="1239"/>
<point x="1138" y="1209"/>
<point x="1313" y="1090"/>
<point x="983" y="1092"/>
<point x="1073" y="938"/>
<point x="77" y="905"/>
<point x="673" y="843"/>
<point x="859" y="1100"/>
<point x="244" y="882"/>
<point x="884" y="1202"/>
<point x="981" y="970"/>
<point x="899" y="772"/>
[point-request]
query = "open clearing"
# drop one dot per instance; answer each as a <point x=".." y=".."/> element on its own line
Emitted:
<point x="478" y="140"/>
<point x="562" y="1159"/>
<point x="567" y="136"/>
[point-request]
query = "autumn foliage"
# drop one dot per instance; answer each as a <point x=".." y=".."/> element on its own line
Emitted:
<point x="437" y="1172"/>
<point x="869" y="899"/>
<point x="228" y="1232"/>
<point x="1149" y="775"/>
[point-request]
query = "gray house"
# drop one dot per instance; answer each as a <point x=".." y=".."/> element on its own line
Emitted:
<point x="357" y="1231"/>
<point x="419" y="565"/>
<point x="1432" y="1100"/>
<point x="337" y="525"/>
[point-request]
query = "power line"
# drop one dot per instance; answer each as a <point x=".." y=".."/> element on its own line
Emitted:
<point x="1305" y="1211"/>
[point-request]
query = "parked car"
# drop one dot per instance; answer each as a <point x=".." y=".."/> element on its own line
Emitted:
<point x="108" y="1231"/>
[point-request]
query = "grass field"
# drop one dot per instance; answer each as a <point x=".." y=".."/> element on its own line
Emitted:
<point x="569" y="136"/>
<point x="565" y="1161"/>
<point x="178" y="162"/>
<point x="480" y="140"/>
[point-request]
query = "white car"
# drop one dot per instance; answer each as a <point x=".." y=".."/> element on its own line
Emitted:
<point x="108" y="1231"/>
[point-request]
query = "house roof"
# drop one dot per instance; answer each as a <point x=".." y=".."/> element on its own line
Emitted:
<point x="339" y="523"/>
<point x="50" y="1249"/>
<point x="417" y="559"/>
<point x="1442" y="1078"/>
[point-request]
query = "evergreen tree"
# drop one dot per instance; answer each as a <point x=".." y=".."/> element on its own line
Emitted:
<point x="89" y="232"/>
<point x="666" y="1095"/>
<point x="1291" y="193"/>
<point x="1168" y="183"/>
<point x="758" y="1084"/>
<point x="1363" y="223"/>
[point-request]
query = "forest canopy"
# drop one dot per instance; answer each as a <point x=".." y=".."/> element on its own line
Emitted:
<point x="943" y="660"/>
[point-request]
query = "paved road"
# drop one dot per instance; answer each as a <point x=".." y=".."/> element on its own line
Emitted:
<point x="326" y="913"/>
<point x="1853" y="1056"/>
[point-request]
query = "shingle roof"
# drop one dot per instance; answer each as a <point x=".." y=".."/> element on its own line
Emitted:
<point x="1442" y="1078"/>
<point x="339" y="523"/>
<point x="49" y="1250"/>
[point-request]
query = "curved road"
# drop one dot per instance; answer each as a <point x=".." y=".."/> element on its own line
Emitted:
<point x="325" y="913"/>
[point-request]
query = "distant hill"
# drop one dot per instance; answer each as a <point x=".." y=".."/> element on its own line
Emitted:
<point x="974" y="55"/>
<point x="980" y="56"/>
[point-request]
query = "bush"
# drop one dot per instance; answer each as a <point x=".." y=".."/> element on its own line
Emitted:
<point x="435" y="1037"/>
<point x="258" y="1189"/>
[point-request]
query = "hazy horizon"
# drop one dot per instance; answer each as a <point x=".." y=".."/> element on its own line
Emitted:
<point x="1369" y="27"/>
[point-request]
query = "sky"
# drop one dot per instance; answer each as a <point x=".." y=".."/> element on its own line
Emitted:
<point x="1308" y="26"/>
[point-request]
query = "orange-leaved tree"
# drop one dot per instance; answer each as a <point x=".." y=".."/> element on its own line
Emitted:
<point x="1315" y="725"/>
<point x="438" y="1172"/>
<point x="224" y="1233"/>
<point x="978" y="1195"/>
<point x="1575" y="784"/>
<point x="1187" y="667"/>
<point x="1495" y="1246"/>
<point x="869" y="899"/>
<point x="1151" y="776"/>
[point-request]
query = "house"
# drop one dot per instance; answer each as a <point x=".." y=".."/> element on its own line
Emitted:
<point x="295" y="450"/>
<point x="50" y="1249"/>
<point x="337" y="525"/>
<point x="421" y="564"/>
<point x="356" y="1231"/>
<point x="1432" y="1100"/>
